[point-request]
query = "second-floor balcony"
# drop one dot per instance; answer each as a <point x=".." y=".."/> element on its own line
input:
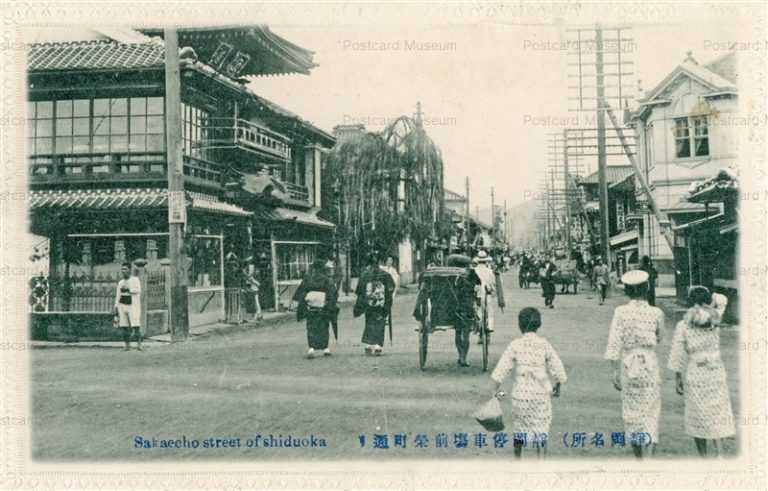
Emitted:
<point x="119" y="167"/>
<point x="250" y="136"/>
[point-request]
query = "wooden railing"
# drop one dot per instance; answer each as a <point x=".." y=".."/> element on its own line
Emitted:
<point x="297" y="192"/>
<point x="80" y="293"/>
<point x="97" y="166"/>
<point x="251" y="136"/>
<point x="89" y="168"/>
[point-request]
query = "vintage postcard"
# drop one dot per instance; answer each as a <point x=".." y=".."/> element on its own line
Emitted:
<point x="378" y="245"/>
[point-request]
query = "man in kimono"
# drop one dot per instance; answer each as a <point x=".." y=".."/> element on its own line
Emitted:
<point x="547" y="278"/>
<point x="374" y="299"/>
<point x="128" y="306"/>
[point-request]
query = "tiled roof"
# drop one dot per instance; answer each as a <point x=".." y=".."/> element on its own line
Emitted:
<point x="94" y="55"/>
<point x="126" y="199"/>
<point x="205" y="202"/>
<point x="266" y="213"/>
<point x="270" y="54"/>
<point x="303" y="217"/>
<point x="720" y="75"/>
<point x="111" y="55"/>
<point x="725" y="66"/>
<point x="100" y="199"/>
<point x="709" y="189"/>
<point x="613" y="174"/>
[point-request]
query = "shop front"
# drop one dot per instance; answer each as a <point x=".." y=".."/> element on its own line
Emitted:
<point x="285" y="243"/>
<point x="92" y="233"/>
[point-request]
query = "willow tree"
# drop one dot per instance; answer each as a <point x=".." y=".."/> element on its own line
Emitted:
<point x="386" y="187"/>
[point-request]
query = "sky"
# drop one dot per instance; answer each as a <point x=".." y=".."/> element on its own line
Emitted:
<point x="492" y="92"/>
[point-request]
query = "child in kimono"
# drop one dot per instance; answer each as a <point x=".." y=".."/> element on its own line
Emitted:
<point x="700" y="375"/>
<point x="538" y="373"/>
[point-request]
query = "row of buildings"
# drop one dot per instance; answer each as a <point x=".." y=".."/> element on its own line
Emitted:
<point x="98" y="173"/>
<point x="685" y="130"/>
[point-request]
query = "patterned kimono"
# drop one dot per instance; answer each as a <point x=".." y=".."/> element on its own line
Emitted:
<point x="695" y="352"/>
<point x="634" y="333"/>
<point x="536" y="365"/>
<point x="374" y="299"/>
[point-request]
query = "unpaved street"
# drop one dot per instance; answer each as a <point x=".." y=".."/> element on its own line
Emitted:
<point x="92" y="403"/>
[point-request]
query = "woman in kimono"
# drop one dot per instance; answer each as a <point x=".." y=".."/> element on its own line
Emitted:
<point x="634" y="334"/>
<point x="700" y="375"/>
<point x="374" y="299"/>
<point x="538" y="373"/>
<point x="316" y="299"/>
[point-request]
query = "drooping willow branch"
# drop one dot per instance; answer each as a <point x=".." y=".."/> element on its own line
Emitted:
<point x="364" y="173"/>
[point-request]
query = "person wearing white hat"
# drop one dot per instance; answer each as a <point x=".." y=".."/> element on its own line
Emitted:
<point x="488" y="285"/>
<point x="634" y="334"/>
<point x="700" y="374"/>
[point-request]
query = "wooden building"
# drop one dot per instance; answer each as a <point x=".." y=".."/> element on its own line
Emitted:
<point x="98" y="172"/>
<point x="685" y="131"/>
<point x="707" y="249"/>
<point x="623" y="225"/>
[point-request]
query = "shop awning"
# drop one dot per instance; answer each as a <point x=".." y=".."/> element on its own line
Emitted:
<point x="99" y="199"/>
<point x="303" y="217"/>
<point x="623" y="237"/>
<point x="685" y="206"/>
<point x="204" y="202"/>
<point x="126" y="199"/>
<point x="278" y="214"/>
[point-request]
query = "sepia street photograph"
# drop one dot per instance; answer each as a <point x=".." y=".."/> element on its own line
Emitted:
<point x="499" y="234"/>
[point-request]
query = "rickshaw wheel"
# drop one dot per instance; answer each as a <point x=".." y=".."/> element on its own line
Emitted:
<point x="424" y="336"/>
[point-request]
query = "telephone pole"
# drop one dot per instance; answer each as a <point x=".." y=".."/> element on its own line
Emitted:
<point x="612" y="48"/>
<point x="177" y="215"/>
<point x="493" y="219"/>
<point x="466" y="214"/>
<point x="566" y="192"/>
<point x="506" y="224"/>
<point x="601" y="157"/>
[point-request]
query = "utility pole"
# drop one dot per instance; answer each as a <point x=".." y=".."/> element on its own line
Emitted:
<point x="612" y="48"/>
<point x="419" y="114"/>
<point x="506" y="224"/>
<point x="466" y="214"/>
<point x="177" y="215"/>
<point x="601" y="152"/>
<point x="547" y="210"/>
<point x="493" y="219"/>
<point x="566" y="178"/>
<point x="552" y="207"/>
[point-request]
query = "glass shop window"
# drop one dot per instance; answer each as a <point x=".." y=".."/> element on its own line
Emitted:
<point x="205" y="269"/>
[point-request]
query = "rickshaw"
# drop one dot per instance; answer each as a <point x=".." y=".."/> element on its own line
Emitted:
<point x="446" y="297"/>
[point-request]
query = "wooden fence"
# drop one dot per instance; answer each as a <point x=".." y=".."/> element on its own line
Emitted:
<point x="82" y="293"/>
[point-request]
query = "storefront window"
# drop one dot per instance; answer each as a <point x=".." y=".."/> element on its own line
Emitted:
<point x="293" y="260"/>
<point x="73" y="251"/>
<point x="135" y="248"/>
<point x="103" y="250"/>
<point x="205" y="268"/>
